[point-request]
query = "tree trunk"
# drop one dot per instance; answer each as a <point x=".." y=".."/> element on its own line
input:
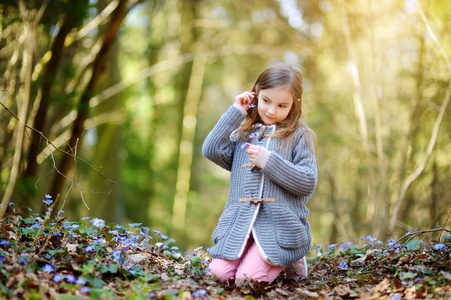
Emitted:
<point x="48" y="78"/>
<point x="83" y="107"/>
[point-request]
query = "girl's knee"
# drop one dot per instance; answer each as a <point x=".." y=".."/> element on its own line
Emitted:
<point x="223" y="269"/>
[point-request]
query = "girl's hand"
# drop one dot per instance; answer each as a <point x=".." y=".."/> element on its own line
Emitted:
<point x="253" y="151"/>
<point x="244" y="99"/>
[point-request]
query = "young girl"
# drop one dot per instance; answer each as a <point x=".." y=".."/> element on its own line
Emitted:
<point x="270" y="153"/>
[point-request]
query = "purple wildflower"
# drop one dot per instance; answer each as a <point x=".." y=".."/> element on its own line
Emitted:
<point x="164" y="237"/>
<point x="332" y="246"/>
<point x="253" y="135"/>
<point x="2" y="258"/>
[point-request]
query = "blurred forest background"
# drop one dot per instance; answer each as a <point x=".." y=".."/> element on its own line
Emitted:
<point x="107" y="104"/>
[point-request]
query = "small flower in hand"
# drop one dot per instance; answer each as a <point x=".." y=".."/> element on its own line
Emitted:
<point x="245" y="145"/>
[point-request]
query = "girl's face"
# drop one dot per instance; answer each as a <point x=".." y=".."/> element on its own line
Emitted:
<point x="274" y="105"/>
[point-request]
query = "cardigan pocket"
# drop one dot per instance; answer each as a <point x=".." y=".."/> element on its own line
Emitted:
<point x="225" y="222"/>
<point x="291" y="232"/>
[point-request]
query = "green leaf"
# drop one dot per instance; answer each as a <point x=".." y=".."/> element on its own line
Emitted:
<point x="102" y="294"/>
<point x="114" y="268"/>
<point x="407" y="275"/>
<point x="150" y="277"/>
<point x="413" y="245"/>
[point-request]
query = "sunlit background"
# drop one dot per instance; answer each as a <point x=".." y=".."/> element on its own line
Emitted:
<point x="376" y="82"/>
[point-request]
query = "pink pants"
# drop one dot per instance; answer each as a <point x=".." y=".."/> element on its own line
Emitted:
<point x="250" y="265"/>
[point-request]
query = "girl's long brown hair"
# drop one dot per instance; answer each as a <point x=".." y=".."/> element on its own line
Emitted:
<point x="280" y="76"/>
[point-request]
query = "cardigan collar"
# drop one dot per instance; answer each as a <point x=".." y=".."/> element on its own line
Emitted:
<point x="269" y="129"/>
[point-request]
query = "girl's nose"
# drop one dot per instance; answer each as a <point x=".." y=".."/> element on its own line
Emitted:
<point x="271" y="110"/>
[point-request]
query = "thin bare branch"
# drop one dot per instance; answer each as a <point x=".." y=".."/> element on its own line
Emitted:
<point x="435" y="130"/>
<point x="58" y="149"/>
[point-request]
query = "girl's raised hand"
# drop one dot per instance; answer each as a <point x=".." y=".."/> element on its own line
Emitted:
<point x="244" y="99"/>
<point x="253" y="151"/>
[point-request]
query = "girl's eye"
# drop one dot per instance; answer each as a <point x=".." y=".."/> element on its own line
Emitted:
<point x="282" y="106"/>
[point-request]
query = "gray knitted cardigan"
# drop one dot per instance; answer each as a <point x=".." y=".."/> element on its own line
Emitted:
<point x="280" y="228"/>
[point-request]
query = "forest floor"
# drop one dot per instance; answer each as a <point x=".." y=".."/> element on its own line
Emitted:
<point x="88" y="259"/>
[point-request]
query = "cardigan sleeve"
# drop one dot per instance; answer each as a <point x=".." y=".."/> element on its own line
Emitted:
<point x="299" y="176"/>
<point x="218" y="147"/>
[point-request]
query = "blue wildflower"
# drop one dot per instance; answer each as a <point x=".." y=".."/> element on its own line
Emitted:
<point x="48" y="196"/>
<point x="439" y="246"/>
<point x="117" y="256"/>
<point x="332" y="246"/>
<point x="48" y="268"/>
<point x="70" y="278"/>
<point x="57" y="278"/>
<point x="99" y="223"/>
<point x="36" y="225"/>
<point x="164" y="237"/>
<point x="395" y="297"/>
<point x="75" y="226"/>
<point x="244" y="146"/>
<point x="90" y="248"/>
<point x="11" y="203"/>
<point x="81" y="281"/>
<point x="174" y="248"/>
<point x="199" y="293"/>
<point x="48" y="202"/>
<point x="159" y="244"/>
<point x="85" y="218"/>
<point x="2" y="258"/>
<point x="317" y="247"/>
<point x="4" y="242"/>
<point x="371" y="239"/>
<point x="343" y="265"/>
<point x="133" y="272"/>
<point x="85" y="290"/>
